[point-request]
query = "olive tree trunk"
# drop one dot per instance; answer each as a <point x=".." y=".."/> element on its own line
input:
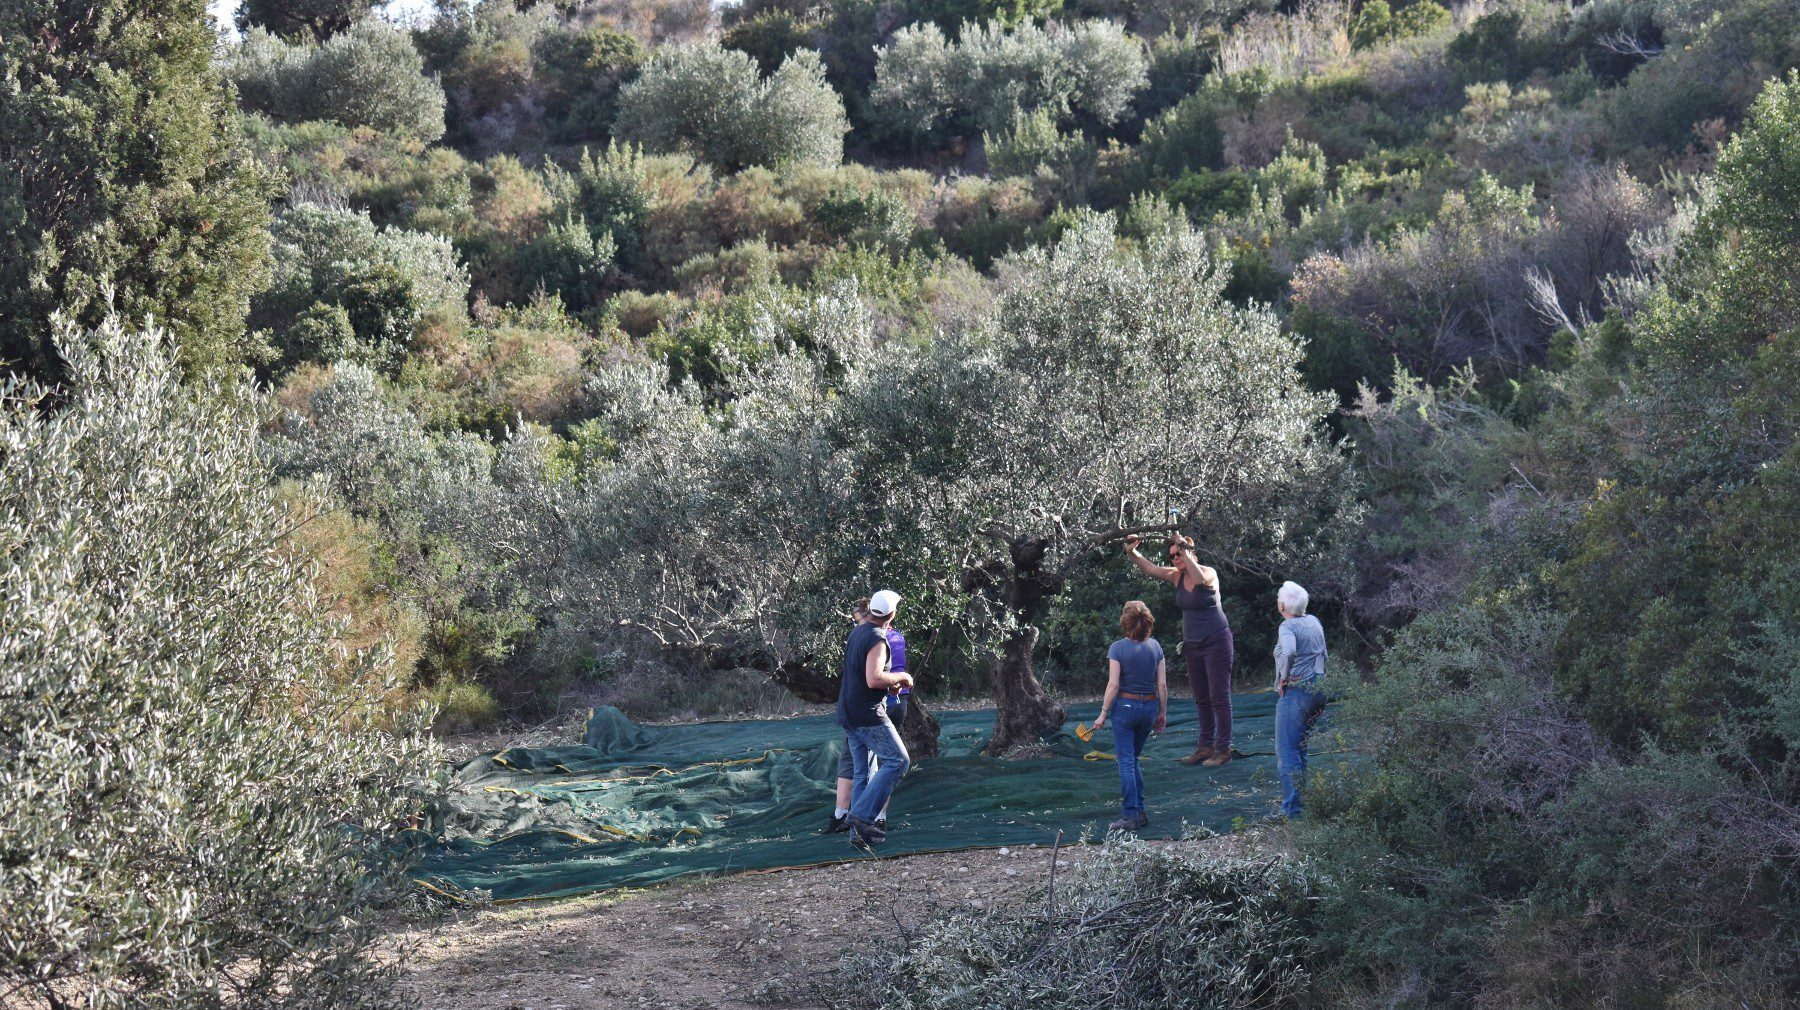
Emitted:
<point x="1019" y="585"/>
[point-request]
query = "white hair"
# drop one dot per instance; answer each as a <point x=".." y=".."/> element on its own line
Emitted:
<point x="1292" y="598"/>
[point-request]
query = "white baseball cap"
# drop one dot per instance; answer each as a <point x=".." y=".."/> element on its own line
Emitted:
<point x="884" y="602"/>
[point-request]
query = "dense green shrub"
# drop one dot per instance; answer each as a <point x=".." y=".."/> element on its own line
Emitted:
<point x="121" y="187"/>
<point x="712" y="103"/>
<point x="201" y="784"/>
<point x="769" y="38"/>
<point x="581" y="73"/>
<point x="319" y="19"/>
<point x="1378" y="24"/>
<point x="569" y="262"/>
<point x="1064" y="163"/>
<point x="386" y="281"/>
<point x="1580" y="771"/>
<point x="1189" y="134"/>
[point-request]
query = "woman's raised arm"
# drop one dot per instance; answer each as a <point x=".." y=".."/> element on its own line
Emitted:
<point x="1145" y="565"/>
<point x="1203" y="574"/>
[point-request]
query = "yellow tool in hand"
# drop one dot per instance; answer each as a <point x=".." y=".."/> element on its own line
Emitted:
<point x="1084" y="732"/>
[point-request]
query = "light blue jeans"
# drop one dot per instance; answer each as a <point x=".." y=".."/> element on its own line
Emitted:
<point x="1295" y="712"/>
<point x="1132" y="721"/>
<point x="870" y="790"/>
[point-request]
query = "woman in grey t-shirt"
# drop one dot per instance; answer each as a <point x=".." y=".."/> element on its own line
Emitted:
<point x="1137" y="703"/>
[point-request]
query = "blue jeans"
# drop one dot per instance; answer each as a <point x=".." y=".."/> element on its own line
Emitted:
<point x="1131" y="723"/>
<point x="870" y="790"/>
<point x="1295" y="712"/>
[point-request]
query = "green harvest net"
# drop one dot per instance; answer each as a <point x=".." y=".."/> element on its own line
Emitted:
<point x="637" y="805"/>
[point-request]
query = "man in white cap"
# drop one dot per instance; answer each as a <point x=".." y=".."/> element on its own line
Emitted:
<point x="862" y="712"/>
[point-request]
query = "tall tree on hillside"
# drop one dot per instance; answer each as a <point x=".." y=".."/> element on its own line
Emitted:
<point x="320" y="19"/>
<point x="120" y="189"/>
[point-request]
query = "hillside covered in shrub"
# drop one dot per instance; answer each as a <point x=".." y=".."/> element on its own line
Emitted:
<point x="608" y="349"/>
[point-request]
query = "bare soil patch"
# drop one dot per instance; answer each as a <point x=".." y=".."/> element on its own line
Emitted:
<point x="753" y="940"/>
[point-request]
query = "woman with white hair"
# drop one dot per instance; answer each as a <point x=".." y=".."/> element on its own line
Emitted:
<point x="1299" y="681"/>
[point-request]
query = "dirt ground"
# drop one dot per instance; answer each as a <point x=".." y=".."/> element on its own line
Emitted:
<point x="752" y="940"/>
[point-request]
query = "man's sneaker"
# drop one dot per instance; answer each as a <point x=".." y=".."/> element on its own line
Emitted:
<point x="869" y="830"/>
<point x="838" y="824"/>
<point x="865" y="838"/>
<point x="1200" y="754"/>
<point x="1123" y="824"/>
<point x="881" y="824"/>
<point x="1143" y="820"/>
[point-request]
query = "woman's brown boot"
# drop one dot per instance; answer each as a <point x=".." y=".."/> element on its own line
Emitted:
<point x="1218" y="758"/>
<point x="1200" y="754"/>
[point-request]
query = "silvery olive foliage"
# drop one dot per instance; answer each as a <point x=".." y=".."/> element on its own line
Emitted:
<point x="479" y="531"/>
<point x="736" y="531"/>
<point x="713" y="103"/>
<point x="992" y="73"/>
<point x="371" y="75"/>
<point x="1109" y="384"/>
<point x="199" y="786"/>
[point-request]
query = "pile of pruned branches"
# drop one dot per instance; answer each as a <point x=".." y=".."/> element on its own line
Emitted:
<point x="1138" y="927"/>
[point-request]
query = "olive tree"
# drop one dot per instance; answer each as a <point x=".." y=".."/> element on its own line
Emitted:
<point x="1107" y="387"/>
<point x="1111" y="390"/>
<point x="714" y="104"/>
<point x="199" y="786"/>
<point x="991" y="74"/>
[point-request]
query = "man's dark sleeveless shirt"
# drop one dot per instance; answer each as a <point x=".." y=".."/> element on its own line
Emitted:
<point x="858" y="703"/>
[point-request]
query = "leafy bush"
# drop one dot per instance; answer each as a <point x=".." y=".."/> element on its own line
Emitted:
<point x="712" y="103"/>
<point x="1137" y="928"/>
<point x="1579" y="773"/>
<point x="201" y="784"/>
<point x="1035" y="149"/>
<point x="368" y="76"/>
<point x="467" y="521"/>
<point x="990" y="74"/>
<point x="569" y="262"/>
<point x="769" y="38"/>
<point x="383" y="283"/>
<point x="318" y="19"/>
<point x="581" y="73"/>
<point x="1414" y="297"/>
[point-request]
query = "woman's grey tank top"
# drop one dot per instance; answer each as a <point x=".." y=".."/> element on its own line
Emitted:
<point x="1202" y="616"/>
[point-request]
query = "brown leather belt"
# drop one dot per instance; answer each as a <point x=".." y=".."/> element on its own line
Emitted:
<point x="1137" y="697"/>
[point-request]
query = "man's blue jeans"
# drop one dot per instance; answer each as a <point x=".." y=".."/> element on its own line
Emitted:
<point x="1132" y="721"/>
<point x="1295" y="712"/>
<point x="870" y="791"/>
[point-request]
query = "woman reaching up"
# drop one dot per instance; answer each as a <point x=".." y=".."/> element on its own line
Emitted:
<point x="1206" y="645"/>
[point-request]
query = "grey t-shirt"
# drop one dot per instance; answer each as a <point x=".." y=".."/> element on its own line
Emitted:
<point x="1137" y="664"/>
<point x="1300" y="650"/>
